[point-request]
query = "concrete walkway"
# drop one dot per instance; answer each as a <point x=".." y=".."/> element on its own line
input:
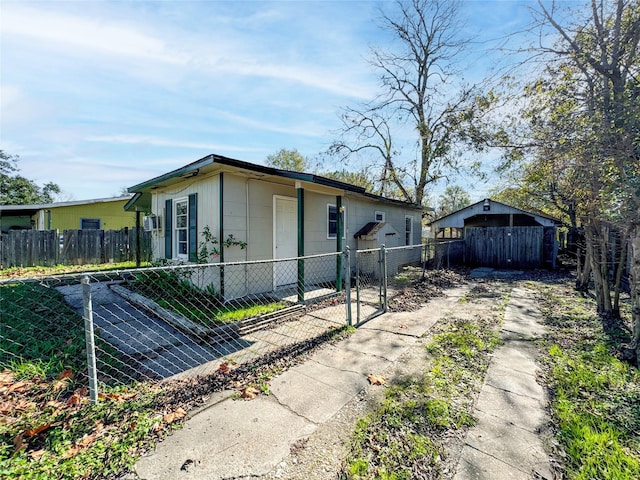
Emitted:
<point x="230" y="439"/>
<point x="247" y="439"/>
<point x="505" y="444"/>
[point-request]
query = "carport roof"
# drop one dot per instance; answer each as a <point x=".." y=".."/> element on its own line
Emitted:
<point x="456" y="219"/>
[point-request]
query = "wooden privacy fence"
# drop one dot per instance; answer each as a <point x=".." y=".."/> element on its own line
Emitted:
<point x="30" y="248"/>
<point x="505" y="247"/>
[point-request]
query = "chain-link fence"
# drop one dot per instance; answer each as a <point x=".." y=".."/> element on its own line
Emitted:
<point x="179" y="321"/>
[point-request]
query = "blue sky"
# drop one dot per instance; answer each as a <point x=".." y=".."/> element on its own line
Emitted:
<point x="100" y="95"/>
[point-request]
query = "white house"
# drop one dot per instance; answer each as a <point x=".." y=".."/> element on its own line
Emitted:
<point x="278" y="213"/>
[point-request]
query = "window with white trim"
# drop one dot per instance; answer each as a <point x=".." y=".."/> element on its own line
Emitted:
<point x="408" y="230"/>
<point x="380" y="216"/>
<point x="332" y="221"/>
<point x="181" y="228"/>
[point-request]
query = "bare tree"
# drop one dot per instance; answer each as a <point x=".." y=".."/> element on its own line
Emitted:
<point x="417" y="76"/>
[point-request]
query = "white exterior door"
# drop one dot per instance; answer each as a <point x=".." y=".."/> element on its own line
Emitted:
<point x="285" y="240"/>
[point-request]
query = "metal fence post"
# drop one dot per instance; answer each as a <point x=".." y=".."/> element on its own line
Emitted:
<point x="383" y="264"/>
<point x="89" y="339"/>
<point x="357" y="287"/>
<point x="347" y="284"/>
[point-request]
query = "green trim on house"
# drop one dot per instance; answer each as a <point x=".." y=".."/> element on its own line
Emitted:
<point x="300" y="288"/>
<point x="339" y="234"/>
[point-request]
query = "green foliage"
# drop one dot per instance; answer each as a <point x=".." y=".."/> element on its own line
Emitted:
<point x="209" y="247"/>
<point x="288" y="160"/>
<point x="358" y="179"/>
<point x="454" y="198"/>
<point x="18" y="190"/>
<point x="401" y="439"/>
<point x="175" y="290"/>
<point x="40" y="331"/>
<point x="595" y="395"/>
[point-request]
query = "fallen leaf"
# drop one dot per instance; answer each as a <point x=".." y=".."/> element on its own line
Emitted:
<point x="34" y="431"/>
<point x="6" y="376"/>
<point x="77" y="396"/>
<point x="18" y="444"/>
<point x="87" y="440"/>
<point x="18" y="387"/>
<point x="403" y="326"/>
<point x="68" y="373"/>
<point x="223" y="368"/>
<point x="376" y="379"/>
<point x="60" y="384"/>
<point x="37" y="454"/>
<point x="72" y="452"/>
<point x="249" y="393"/>
<point x="173" y="416"/>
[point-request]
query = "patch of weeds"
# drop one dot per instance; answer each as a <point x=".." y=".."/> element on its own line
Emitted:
<point x="404" y="438"/>
<point x="177" y="290"/>
<point x="594" y="395"/>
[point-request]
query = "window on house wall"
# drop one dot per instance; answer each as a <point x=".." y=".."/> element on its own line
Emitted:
<point x="332" y="221"/>
<point x="380" y="217"/>
<point x="181" y="222"/>
<point x="408" y="230"/>
<point x="89" y="224"/>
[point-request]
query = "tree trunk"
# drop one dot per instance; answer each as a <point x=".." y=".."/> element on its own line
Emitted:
<point x="596" y="240"/>
<point x="634" y="281"/>
<point x="620" y="264"/>
<point x="583" y="271"/>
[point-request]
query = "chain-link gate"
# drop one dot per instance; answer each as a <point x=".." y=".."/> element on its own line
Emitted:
<point x="370" y="284"/>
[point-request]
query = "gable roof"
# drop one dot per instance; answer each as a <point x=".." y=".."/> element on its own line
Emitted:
<point x="212" y="162"/>
<point x="453" y="219"/>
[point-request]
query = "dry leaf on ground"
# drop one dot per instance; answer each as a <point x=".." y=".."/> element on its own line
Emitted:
<point x="249" y="393"/>
<point x="376" y="379"/>
<point x="173" y="416"/>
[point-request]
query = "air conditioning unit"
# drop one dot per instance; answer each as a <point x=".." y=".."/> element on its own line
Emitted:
<point x="151" y="223"/>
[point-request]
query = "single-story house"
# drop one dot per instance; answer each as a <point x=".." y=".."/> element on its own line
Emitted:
<point x="501" y="236"/>
<point x="94" y="214"/>
<point x="277" y="213"/>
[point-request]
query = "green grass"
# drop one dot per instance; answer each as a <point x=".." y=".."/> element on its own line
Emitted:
<point x="30" y="272"/>
<point x="403" y="438"/>
<point x="175" y="291"/>
<point x="40" y="332"/>
<point x="41" y="335"/>
<point x="595" y="396"/>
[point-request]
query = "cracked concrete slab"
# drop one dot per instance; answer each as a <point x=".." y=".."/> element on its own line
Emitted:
<point x="505" y="443"/>
<point x="233" y="438"/>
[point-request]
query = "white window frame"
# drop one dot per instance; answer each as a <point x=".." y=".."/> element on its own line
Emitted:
<point x="176" y="230"/>
<point x="344" y="222"/>
<point x="410" y="232"/>
<point x="379" y="214"/>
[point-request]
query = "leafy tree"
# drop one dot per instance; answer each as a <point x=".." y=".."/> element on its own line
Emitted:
<point x="417" y="79"/>
<point x="586" y="127"/>
<point x="453" y="199"/>
<point x="359" y="179"/>
<point x="18" y="190"/>
<point x="288" y="160"/>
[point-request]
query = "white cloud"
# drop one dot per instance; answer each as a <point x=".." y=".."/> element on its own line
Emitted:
<point x="166" y="142"/>
<point x="85" y="35"/>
